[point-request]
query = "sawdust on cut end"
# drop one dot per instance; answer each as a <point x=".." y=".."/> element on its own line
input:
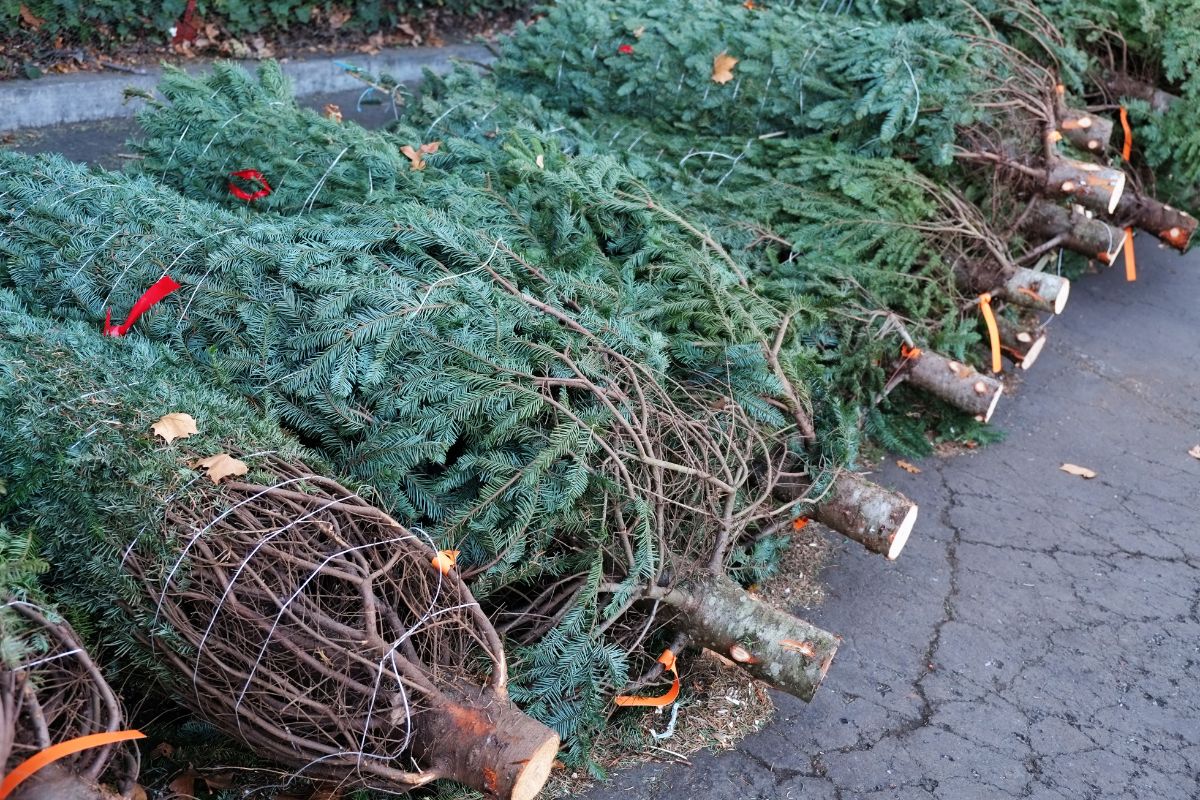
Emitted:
<point x="796" y="583"/>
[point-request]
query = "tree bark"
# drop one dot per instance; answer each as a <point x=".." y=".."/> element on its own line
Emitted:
<point x="956" y="383"/>
<point x="1033" y="289"/>
<point x="1017" y="285"/>
<point x="1085" y="130"/>
<point x="485" y="742"/>
<point x="1172" y="226"/>
<point x="775" y="646"/>
<point x="1023" y="345"/>
<point x="56" y="782"/>
<point x="877" y="518"/>
<point x="1121" y="85"/>
<point x="1091" y="185"/>
<point x="1092" y="237"/>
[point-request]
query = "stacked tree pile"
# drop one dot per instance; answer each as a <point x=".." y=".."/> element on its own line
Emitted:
<point x="596" y="474"/>
<point x="583" y="362"/>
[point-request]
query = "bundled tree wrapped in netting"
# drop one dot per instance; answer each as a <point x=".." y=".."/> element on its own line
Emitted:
<point x="276" y="602"/>
<point x="53" y="694"/>
<point x="596" y="480"/>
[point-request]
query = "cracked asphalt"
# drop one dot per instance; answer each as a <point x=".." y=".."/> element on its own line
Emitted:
<point x="1040" y="635"/>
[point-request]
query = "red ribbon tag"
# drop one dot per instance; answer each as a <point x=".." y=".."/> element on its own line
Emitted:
<point x="158" y="291"/>
<point x="249" y="175"/>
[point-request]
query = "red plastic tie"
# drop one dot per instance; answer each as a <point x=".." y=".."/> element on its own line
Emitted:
<point x="249" y="175"/>
<point x="158" y="291"/>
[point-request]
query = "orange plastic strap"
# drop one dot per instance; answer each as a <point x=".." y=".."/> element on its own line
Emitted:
<point x="909" y="352"/>
<point x="445" y="560"/>
<point x="985" y="306"/>
<point x="61" y="750"/>
<point x="1130" y="261"/>
<point x="1127" y="147"/>
<point x="667" y="659"/>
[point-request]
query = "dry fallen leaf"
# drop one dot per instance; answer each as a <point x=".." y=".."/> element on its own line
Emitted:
<point x="219" y="780"/>
<point x="333" y="112"/>
<point x="1075" y="469"/>
<point x="29" y="18"/>
<point x="638" y="31"/>
<point x="163" y="750"/>
<point x="222" y="465"/>
<point x="907" y="467"/>
<point x="338" y="17"/>
<point x="184" y="784"/>
<point x="540" y="161"/>
<point x="417" y="155"/>
<point x="723" y="68"/>
<point x="1195" y="452"/>
<point x="373" y="44"/>
<point x="176" y="425"/>
<point x="445" y="560"/>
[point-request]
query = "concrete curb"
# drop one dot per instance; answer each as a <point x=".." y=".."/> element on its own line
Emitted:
<point x="84" y="97"/>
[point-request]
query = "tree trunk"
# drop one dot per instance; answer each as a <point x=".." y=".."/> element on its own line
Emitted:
<point x="1017" y="285"/>
<point x="56" y="782"/>
<point x="1092" y="237"/>
<point x="877" y="518"/>
<point x="1033" y="289"/>
<point x="486" y="743"/>
<point x="1023" y="345"/>
<point x="1085" y="130"/>
<point x="770" y="644"/>
<point x="1171" y="225"/>
<point x="1124" y="86"/>
<point x="956" y="383"/>
<point x="1091" y="185"/>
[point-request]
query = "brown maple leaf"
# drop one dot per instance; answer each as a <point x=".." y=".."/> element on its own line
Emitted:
<point x="723" y="68"/>
<point x="221" y="466"/>
<point x="176" y="425"/>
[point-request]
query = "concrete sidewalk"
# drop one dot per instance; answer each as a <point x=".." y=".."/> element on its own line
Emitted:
<point x="89" y="96"/>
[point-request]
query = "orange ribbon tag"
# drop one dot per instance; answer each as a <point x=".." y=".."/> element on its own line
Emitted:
<point x="1127" y="147"/>
<point x="799" y="522"/>
<point x="667" y="659"/>
<point x="445" y="560"/>
<point x="907" y="352"/>
<point x="1130" y="260"/>
<point x="985" y="307"/>
<point x="61" y="750"/>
